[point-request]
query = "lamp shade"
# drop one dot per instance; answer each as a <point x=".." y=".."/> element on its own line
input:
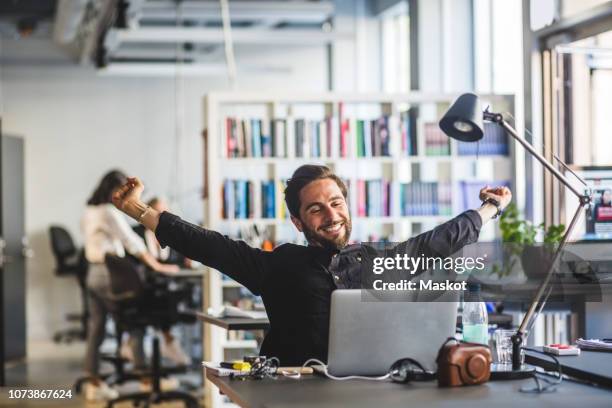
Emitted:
<point x="463" y="120"/>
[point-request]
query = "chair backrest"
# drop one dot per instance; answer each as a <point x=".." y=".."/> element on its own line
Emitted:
<point x="68" y="261"/>
<point x="125" y="280"/>
<point x="61" y="242"/>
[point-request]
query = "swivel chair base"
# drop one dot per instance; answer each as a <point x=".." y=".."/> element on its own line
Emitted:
<point x="148" y="398"/>
<point x="156" y="395"/>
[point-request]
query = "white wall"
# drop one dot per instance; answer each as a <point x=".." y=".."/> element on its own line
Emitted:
<point x="77" y="125"/>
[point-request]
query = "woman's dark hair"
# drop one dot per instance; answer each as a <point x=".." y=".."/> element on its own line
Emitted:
<point x="104" y="192"/>
<point x="303" y="176"/>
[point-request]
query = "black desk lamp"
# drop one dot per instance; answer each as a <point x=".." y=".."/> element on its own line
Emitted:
<point x="464" y="121"/>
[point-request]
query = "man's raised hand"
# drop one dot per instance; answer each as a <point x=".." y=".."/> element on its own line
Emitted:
<point x="502" y="194"/>
<point x="128" y="194"/>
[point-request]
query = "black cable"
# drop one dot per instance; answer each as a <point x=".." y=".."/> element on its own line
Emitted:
<point x="264" y="368"/>
<point x="550" y="386"/>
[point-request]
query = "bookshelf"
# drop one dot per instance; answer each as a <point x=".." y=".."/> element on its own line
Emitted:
<point x="403" y="175"/>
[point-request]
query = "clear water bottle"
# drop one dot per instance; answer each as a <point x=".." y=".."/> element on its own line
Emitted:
<point x="475" y="317"/>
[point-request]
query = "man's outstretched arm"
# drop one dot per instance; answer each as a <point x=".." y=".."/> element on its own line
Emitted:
<point x="233" y="258"/>
<point x="462" y="230"/>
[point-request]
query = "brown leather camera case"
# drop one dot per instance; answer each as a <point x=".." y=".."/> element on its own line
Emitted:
<point x="463" y="364"/>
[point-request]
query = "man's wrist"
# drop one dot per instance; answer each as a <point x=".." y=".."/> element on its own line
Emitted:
<point x="135" y="209"/>
<point x="495" y="205"/>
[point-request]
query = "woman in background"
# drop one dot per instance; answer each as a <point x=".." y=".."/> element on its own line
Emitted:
<point x="106" y="231"/>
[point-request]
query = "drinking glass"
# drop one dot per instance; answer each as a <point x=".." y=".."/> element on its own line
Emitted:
<point x="503" y="346"/>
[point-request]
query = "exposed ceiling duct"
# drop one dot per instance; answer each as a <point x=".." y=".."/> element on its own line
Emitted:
<point x="149" y="32"/>
<point x="26" y="18"/>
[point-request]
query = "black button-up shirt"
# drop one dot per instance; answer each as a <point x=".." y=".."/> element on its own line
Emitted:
<point x="296" y="281"/>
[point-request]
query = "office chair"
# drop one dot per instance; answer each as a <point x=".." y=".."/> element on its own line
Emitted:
<point x="70" y="262"/>
<point x="134" y="309"/>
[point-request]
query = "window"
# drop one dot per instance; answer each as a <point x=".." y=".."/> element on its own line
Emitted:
<point x="395" y="48"/>
<point x="585" y="108"/>
<point x="498" y="45"/>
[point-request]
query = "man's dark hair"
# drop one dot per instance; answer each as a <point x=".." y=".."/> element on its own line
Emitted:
<point x="303" y="176"/>
<point x="104" y="191"/>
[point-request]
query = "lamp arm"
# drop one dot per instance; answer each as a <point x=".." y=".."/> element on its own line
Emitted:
<point x="520" y="335"/>
<point x="499" y="119"/>
<point x="584" y="201"/>
<point x="544" y="285"/>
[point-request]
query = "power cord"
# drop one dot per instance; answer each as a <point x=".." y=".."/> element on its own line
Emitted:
<point x="264" y="368"/>
<point x="261" y="368"/>
<point x="349" y="377"/>
<point x="549" y="385"/>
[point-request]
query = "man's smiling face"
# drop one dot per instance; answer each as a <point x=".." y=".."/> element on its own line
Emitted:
<point x="324" y="215"/>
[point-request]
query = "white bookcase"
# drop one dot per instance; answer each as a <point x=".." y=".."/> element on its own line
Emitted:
<point x="395" y="168"/>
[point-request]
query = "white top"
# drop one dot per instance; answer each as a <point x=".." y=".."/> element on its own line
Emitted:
<point x="161" y="254"/>
<point x="106" y="231"/>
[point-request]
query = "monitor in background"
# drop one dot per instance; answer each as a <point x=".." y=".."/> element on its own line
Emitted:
<point x="597" y="224"/>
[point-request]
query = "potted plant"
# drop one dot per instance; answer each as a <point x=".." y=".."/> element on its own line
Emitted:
<point x="519" y="238"/>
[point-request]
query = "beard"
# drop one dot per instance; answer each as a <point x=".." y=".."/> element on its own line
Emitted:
<point x="315" y="238"/>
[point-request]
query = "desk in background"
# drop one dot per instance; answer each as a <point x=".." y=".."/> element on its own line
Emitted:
<point x="591" y="366"/>
<point x="241" y="323"/>
<point x="234" y="323"/>
<point x="191" y="335"/>
<point x="189" y="274"/>
<point x="316" y="391"/>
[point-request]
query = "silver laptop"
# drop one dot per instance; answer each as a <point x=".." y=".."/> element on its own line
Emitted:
<point x="366" y="338"/>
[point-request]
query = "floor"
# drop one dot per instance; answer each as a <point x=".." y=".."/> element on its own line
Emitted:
<point x="52" y="366"/>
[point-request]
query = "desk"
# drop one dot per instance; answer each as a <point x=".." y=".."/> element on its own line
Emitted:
<point x="189" y="274"/>
<point x="241" y="323"/>
<point x="315" y="391"/>
<point x="234" y="323"/>
<point x="592" y="366"/>
<point x="582" y="299"/>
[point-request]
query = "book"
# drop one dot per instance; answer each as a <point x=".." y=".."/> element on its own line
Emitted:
<point x="436" y="142"/>
<point x="256" y="137"/>
<point x="219" y="371"/>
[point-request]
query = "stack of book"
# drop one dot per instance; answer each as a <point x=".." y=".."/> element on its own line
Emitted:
<point x="373" y="198"/>
<point x="425" y="198"/>
<point x="372" y="137"/>
<point x="243" y="199"/>
<point x="255" y="138"/>
<point x="494" y="142"/>
<point x="436" y="142"/>
<point x="316" y="138"/>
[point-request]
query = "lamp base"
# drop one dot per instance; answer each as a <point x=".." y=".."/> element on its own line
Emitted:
<point x="505" y="372"/>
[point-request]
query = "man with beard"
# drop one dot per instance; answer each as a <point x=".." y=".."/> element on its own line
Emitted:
<point x="296" y="281"/>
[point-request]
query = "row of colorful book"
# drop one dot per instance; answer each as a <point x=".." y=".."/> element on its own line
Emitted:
<point x="244" y="199"/>
<point x="425" y="198"/>
<point x="327" y="138"/>
<point x="493" y="142"/>
<point x="381" y="198"/>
